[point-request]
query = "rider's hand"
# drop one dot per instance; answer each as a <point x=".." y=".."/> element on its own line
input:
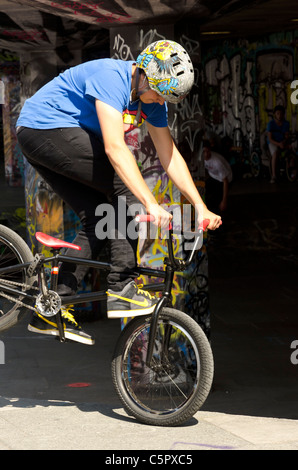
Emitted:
<point x="215" y="220"/>
<point x="162" y="218"/>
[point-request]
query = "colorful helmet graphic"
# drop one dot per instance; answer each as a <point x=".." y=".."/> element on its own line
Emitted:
<point x="168" y="68"/>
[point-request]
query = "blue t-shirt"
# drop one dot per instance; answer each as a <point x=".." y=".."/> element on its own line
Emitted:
<point x="69" y="99"/>
<point x="278" y="132"/>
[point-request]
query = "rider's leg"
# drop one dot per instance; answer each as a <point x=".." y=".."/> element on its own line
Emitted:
<point x="274" y="159"/>
<point x="84" y="202"/>
<point x="75" y="165"/>
<point x="123" y="247"/>
<point x="125" y="298"/>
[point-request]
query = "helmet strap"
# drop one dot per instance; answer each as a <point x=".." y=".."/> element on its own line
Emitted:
<point x="138" y="94"/>
<point x="143" y="88"/>
<point x="137" y="118"/>
<point x="135" y="89"/>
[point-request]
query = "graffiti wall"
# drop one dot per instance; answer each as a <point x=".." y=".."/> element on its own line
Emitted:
<point x="10" y="104"/>
<point x="244" y="80"/>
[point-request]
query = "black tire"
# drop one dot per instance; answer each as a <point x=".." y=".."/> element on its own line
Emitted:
<point x="170" y="393"/>
<point x="13" y="250"/>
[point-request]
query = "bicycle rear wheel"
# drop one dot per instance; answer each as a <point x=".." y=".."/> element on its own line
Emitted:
<point x="171" y="391"/>
<point x="13" y="251"/>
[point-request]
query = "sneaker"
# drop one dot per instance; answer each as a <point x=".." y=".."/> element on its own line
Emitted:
<point x="48" y="326"/>
<point x="130" y="302"/>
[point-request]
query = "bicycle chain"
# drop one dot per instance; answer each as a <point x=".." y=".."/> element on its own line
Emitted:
<point x="19" y="302"/>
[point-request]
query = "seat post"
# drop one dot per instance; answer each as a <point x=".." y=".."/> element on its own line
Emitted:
<point x="54" y="284"/>
<point x="55" y="270"/>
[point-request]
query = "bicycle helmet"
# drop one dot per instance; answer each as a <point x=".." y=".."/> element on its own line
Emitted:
<point x="168" y="68"/>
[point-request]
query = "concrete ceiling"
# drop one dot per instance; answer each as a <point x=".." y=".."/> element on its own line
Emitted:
<point x="27" y="24"/>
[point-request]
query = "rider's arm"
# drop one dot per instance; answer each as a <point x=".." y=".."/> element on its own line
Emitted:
<point x="224" y="201"/>
<point x="177" y="170"/>
<point x="123" y="161"/>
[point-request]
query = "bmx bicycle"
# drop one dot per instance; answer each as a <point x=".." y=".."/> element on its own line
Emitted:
<point x="287" y="164"/>
<point x="162" y="366"/>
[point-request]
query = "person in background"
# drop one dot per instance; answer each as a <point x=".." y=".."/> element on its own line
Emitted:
<point x="277" y="137"/>
<point x="218" y="179"/>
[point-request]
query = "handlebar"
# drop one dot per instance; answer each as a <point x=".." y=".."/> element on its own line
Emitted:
<point x="150" y="218"/>
<point x="177" y="263"/>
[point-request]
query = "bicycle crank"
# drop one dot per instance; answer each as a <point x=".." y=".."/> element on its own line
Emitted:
<point x="48" y="305"/>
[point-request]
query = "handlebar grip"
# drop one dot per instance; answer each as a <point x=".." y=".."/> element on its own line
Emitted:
<point x="144" y="218"/>
<point x="203" y="225"/>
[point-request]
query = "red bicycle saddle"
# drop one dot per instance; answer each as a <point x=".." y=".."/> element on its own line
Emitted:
<point x="54" y="242"/>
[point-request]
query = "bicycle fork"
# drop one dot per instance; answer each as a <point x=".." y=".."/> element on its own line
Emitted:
<point x="163" y="302"/>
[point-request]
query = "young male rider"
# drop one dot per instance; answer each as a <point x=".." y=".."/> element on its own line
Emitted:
<point x="278" y="137"/>
<point x="72" y="132"/>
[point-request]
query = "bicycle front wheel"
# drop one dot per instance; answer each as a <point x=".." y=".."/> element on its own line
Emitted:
<point x="175" y="386"/>
<point x="13" y="251"/>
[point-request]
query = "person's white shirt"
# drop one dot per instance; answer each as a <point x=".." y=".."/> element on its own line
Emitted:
<point x="218" y="167"/>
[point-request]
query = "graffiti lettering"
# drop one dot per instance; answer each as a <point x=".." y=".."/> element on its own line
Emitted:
<point x="6" y="56"/>
<point x="90" y="9"/>
<point x="151" y="36"/>
<point x="25" y="35"/>
<point x="190" y="45"/>
<point x="122" y="50"/>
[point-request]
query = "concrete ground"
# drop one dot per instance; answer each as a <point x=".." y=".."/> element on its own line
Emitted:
<point x="60" y="396"/>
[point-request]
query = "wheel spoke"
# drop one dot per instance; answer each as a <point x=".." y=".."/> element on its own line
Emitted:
<point x="10" y="256"/>
<point x="169" y="382"/>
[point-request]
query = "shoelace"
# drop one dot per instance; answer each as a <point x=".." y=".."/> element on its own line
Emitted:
<point x="144" y="292"/>
<point x="65" y="311"/>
